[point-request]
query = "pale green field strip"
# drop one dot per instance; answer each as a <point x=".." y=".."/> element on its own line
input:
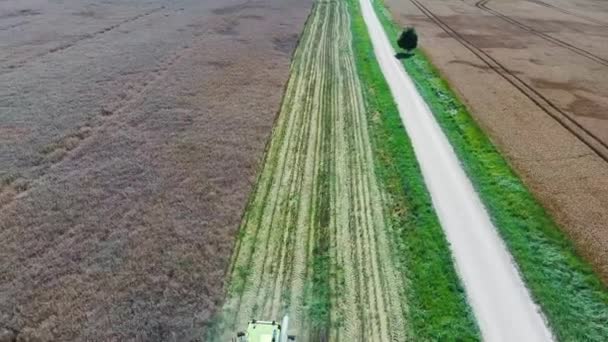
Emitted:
<point x="314" y="239"/>
<point x="437" y="306"/>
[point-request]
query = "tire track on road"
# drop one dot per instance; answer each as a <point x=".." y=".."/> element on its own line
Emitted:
<point x="110" y="113"/>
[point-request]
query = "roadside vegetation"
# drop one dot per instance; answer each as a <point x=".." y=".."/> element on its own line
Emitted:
<point x="436" y="300"/>
<point x="571" y="295"/>
<point x="408" y="39"/>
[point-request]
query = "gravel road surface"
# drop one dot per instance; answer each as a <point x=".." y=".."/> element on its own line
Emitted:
<point x="500" y="301"/>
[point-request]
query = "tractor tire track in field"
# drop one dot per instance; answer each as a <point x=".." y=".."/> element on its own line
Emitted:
<point x="313" y="241"/>
<point x="594" y="142"/>
<point x="61" y="149"/>
<point x="483" y="5"/>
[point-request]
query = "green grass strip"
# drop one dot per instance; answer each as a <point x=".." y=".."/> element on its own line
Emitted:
<point x="319" y="305"/>
<point x="437" y="308"/>
<point x="572" y="297"/>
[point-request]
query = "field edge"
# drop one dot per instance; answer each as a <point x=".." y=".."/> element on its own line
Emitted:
<point x="559" y="279"/>
<point x="437" y="303"/>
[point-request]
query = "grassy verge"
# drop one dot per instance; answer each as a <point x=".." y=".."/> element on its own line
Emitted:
<point x="570" y="294"/>
<point x="436" y="302"/>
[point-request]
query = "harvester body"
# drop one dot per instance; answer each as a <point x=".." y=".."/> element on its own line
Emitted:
<point x="265" y="331"/>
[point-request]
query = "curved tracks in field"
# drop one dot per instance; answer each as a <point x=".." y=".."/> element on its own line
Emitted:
<point x="313" y="241"/>
<point x="574" y="14"/>
<point x="483" y="5"/>
<point x="584" y="134"/>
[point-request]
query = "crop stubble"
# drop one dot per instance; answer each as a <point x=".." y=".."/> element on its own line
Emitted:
<point x="314" y="235"/>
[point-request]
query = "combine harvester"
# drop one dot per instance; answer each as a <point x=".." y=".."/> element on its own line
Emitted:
<point x="265" y="331"/>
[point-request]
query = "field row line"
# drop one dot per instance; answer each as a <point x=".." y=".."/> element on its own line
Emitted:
<point x="313" y="241"/>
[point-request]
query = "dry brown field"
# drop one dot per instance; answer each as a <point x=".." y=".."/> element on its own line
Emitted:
<point x="130" y="136"/>
<point x="535" y="75"/>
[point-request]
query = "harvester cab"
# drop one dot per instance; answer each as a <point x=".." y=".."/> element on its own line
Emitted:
<point x="265" y="331"/>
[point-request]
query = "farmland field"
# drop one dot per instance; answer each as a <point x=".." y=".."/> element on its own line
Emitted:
<point x="533" y="74"/>
<point x="297" y="206"/>
<point x="330" y="236"/>
<point x="130" y="136"/>
<point x="315" y="225"/>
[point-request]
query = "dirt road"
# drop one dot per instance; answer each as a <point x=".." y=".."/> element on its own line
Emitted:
<point x="313" y="241"/>
<point x="496" y="292"/>
<point x="130" y="136"/>
<point x="530" y="71"/>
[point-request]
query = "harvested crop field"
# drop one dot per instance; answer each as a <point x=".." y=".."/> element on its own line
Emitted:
<point x="534" y="75"/>
<point x="130" y="136"/>
<point x="313" y="241"/>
